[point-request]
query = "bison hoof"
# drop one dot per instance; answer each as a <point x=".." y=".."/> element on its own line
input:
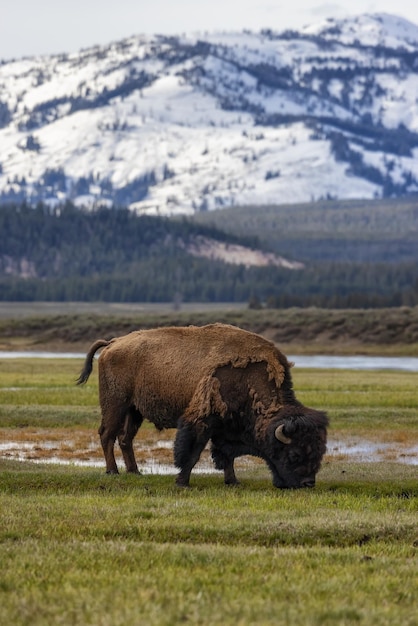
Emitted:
<point x="232" y="483"/>
<point x="133" y="471"/>
<point x="112" y="472"/>
<point x="182" y="484"/>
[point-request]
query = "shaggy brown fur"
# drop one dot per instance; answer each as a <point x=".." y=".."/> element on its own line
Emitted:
<point x="187" y="376"/>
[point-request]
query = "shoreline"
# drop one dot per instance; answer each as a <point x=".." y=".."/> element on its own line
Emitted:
<point x="309" y="361"/>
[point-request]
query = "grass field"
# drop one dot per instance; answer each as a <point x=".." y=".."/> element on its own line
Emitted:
<point x="79" y="547"/>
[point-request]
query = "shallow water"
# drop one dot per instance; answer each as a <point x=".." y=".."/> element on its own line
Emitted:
<point x="321" y="361"/>
<point x="366" y="451"/>
<point x="352" y="448"/>
<point x="40" y="354"/>
<point x="409" y="364"/>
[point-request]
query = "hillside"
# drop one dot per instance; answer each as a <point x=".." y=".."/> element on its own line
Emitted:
<point x="381" y="231"/>
<point x="68" y="253"/>
<point x="113" y="255"/>
<point x="181" y="124"/>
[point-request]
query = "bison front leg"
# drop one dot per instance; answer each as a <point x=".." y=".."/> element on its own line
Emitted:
<point x="133" y="421"/>
<point x="223" y="459"/>
<point x="188" y="446"/>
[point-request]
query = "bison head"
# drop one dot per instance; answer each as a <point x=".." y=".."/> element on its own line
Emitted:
<point x="296" y="442"/>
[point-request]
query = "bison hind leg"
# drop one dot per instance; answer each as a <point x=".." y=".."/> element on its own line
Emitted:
<point x="131" y="424"/>
<point x="107" y="439"/>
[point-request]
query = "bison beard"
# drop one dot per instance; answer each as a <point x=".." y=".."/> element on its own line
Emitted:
<point x="215" y="382"/>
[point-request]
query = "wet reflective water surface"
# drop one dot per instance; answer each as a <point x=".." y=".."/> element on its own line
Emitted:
<point x="156" y="457"/>
<point x="320" y="361"/>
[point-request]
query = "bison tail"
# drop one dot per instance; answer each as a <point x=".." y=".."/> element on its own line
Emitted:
<point x="88" y="363"/>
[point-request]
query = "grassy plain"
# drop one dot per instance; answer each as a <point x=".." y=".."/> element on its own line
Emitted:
<point x="79" y="547"/>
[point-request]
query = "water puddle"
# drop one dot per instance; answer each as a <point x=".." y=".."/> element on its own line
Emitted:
<point x="365" y="451"/>
<point x="157" y="457"/>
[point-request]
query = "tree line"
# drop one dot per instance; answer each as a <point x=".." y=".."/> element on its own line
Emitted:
<point x="68" y="254"/>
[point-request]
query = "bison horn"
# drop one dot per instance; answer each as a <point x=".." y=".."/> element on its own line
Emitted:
<point x="281" y="436"/>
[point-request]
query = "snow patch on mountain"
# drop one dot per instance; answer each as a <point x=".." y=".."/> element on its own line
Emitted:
<point x="170" y="125"/>
<point x="238" y="255"/>
<point x="378" y="29"/>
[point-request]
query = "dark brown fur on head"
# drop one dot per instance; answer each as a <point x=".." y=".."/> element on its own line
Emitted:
<point x="296" y="463"/>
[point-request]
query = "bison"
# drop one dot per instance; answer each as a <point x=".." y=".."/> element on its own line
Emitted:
<point x="216" y="382"/>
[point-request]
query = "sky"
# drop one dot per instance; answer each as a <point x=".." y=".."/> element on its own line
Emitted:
<point x="32" y="27"/>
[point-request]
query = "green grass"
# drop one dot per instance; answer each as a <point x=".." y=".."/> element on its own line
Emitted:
<point x="78" y="547"/>
<point x="42" y="393"/>
<point x="362" y="402"/>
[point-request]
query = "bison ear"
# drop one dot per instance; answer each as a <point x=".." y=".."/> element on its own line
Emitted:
<point x="279" y="434"/>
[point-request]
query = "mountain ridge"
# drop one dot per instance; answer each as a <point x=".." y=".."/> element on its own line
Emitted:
<point x="180" y="124"/>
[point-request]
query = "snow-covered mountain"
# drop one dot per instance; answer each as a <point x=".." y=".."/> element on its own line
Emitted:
<point x="178" y="124"/>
